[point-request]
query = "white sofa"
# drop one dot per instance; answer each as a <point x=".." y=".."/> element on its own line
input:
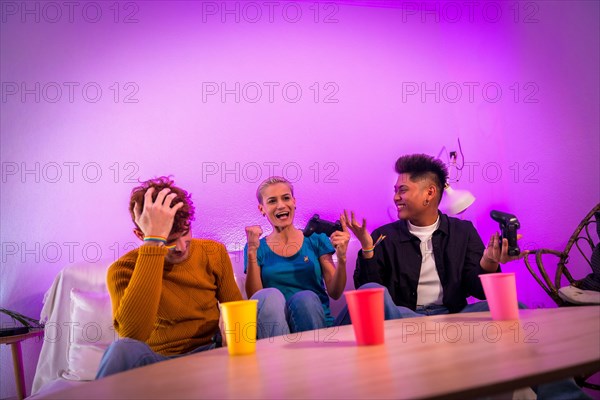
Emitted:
<point x="78" y="317"/>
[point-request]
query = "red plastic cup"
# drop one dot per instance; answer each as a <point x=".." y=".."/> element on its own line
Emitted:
<point x="501" y="293"/>
<point x="367" y="315"/>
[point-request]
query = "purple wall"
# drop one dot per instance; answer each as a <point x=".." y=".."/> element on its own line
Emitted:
<point x="327" y="95"/>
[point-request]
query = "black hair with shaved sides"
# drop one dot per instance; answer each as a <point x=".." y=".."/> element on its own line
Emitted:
<point x="423" y="166"/>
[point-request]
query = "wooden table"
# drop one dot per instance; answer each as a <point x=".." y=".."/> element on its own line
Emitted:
<point x="15" y="345"/>
<point x="450" y="356"/>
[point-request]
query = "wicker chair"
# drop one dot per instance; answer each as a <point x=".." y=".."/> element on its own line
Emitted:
<point x="574" y="294"/>
<point x="555" y="289"/>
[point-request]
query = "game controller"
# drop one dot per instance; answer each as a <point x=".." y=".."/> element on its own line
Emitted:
<point x="318" y="225"/>
<point x="508" y="226"/>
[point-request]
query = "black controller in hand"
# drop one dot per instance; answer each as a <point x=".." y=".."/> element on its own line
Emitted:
<point x="318" y="225"/>
<point x="508" y="226"/>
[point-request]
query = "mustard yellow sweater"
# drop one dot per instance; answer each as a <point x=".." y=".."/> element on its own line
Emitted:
<point x="171" y="307"/>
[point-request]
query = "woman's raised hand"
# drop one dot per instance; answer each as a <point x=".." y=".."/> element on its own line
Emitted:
<point x="253" y="234"/>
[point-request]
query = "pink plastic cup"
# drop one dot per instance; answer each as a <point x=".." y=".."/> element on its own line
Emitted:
<point x="501" y="293"/>
<point x="367" y="314"/>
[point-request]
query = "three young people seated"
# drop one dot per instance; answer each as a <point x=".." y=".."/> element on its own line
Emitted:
<point x="165" y="294"/>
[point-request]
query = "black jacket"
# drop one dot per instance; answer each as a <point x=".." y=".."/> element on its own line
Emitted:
<point x="396" y="263"/>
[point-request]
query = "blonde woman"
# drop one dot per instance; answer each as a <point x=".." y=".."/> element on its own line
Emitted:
<point x="295" y="273"/>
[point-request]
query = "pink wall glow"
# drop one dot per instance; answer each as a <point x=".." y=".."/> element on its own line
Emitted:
<point x="355" y="66"/>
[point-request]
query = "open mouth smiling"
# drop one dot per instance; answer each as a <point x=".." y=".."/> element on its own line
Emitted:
<point x="282" y="215"/>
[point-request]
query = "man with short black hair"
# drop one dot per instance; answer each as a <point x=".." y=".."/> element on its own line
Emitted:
<point x="428" y="261"/>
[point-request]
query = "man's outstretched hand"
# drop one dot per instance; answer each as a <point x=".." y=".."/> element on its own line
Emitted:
<point x="493" y="254"/>
<point x="359" y="230"/>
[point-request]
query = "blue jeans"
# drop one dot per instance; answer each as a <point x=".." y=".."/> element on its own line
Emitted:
<point x="435" y="309"/>
<point x="391" y="310"/>
<point x="126" y="354"/>
<point x="302" y="312"/>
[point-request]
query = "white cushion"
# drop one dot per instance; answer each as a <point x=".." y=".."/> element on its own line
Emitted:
<point x="90" y="334"/>
<point x="578" y="296"/>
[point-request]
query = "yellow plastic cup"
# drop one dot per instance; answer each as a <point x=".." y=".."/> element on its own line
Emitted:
<point x="240" y="326"/>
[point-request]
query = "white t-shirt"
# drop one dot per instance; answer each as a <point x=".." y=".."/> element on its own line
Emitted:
<point x="429" y="289"/>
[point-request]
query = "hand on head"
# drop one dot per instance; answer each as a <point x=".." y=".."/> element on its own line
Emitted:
<point x="156" y="218"/>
